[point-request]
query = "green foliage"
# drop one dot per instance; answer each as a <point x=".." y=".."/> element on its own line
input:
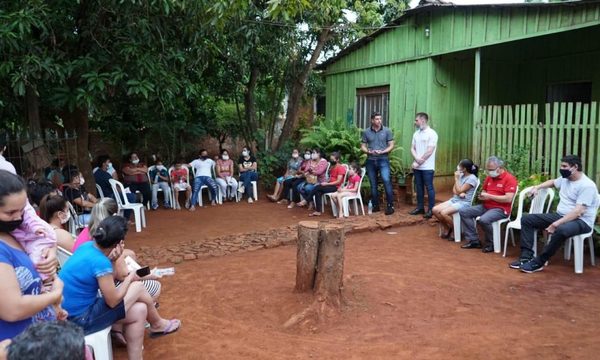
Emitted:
<point x="272" y="164"/>
<point x="334" y="135"/>
<point x="517" y="161"/>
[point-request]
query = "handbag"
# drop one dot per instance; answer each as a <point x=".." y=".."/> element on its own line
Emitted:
<point x="311" y="178"/>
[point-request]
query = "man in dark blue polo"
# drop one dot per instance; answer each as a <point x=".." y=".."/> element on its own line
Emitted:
<point x="377" y="143"/>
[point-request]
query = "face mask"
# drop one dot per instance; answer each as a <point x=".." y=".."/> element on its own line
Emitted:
<point x="161" y="167"/>
<point x="493" y="173"/>
<point x="333" y="162"/>
<point x="314" y="156"/>
<point x="81" y="181"/>
<point x="67" y="217"/>
<point x="225" y="157"/>
<point x="203" y="157"/>
<point x="10" y="226"/>
<point x="245" y="153"/>
<point x="110" y="166"/>
<point x="307" y="156"/>
<point x="566" y="173"/>
<point x="461" y="173"/>
<point x="295" y="156"/>
<point x="135" y="162"/>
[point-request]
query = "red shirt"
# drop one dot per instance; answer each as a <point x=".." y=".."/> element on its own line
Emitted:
<point x="500" y="185"/>
<point x="337" y="170"/>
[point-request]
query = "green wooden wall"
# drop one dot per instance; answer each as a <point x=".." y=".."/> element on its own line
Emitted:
<point x="435" y="74"/>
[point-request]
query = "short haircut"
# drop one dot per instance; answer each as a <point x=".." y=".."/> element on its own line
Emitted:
<point x="374" y="114"/>
<point x="10" y="184"/>
<point x="36" y="190"/>
<point x="49" y="340"/>
<point x="101" y="160"/>
<point x="72" y="174"/>
<point x="336" y="155"/>
<point x="573" y="160"/>
<point x="495" y="160"/>
<point x="110" y="231"/>
<point x="423" y="115"/>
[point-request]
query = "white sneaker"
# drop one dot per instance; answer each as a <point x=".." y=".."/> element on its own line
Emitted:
<point x="250" y="201"/>
<point x="241" y="189"/>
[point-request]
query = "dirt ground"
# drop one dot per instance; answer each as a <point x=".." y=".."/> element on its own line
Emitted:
<point x="408" y="295"/>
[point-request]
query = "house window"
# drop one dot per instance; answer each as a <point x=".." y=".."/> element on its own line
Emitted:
<point x="369" y="100"/>
<point x="569" y="92"/>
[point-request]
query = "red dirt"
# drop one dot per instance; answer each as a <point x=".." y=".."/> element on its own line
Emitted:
<point x="408" y="295"/>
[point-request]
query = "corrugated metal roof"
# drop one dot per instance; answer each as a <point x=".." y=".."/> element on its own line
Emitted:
<point x="432" y="7"/>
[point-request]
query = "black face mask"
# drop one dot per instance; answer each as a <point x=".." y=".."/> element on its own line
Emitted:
<point x="333" y="162"/>
<point x="203" y="157"/>
<point x="565" y="173"/>
<point x="10" y="226"/>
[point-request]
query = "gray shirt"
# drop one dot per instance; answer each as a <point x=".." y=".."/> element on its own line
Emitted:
<point x="580" y="192"/>
<point x="377" y="140"/>
<point x="471" y="180"/>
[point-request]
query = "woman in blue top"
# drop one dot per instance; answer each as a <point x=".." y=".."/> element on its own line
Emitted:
<point x="90" y="269"/>
<point x="465" y="185"/>
<point x="22" y="301"/>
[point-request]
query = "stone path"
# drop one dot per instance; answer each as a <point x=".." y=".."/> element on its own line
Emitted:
<point x="263" y="239"/>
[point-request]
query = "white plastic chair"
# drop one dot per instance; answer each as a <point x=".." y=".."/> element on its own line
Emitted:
<point x="124" y="204"/>
<point x="170" y="194"/>
<point x="497" y="225"/>
<point x="456" y="219"/>
<point x="254" y="186"/>
<point x="101" y="343"/>
<point x="74" y="223"/>
<point x="328" y="195"/>
<point x="577" y="243"/>
<point x="100" y="192"/>
<point x="62" y="255"/>
<point x="537" y="206"/>
<point x="175" y="195"/>
<point x="356" y="198"/>
<point x="219" y="198"/>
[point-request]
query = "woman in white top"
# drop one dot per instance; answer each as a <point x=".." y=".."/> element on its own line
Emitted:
<point x="465" y="184"/>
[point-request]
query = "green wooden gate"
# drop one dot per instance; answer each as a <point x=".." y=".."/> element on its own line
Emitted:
<point x="548" y="134"/>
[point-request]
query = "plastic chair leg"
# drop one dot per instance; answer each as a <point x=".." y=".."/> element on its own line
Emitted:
<point x="578" y="250"/>
<point x="593" y="256"/>
<point x="101" y="343"/>
<point x="457" y="230"/>
<point x="506" y="241"/>
<point x="137" y="213"/>
<point x="496" y="235"/>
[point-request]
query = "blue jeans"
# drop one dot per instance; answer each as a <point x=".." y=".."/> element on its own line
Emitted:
<point x="424" y="179"/>
<point x="199" y="181"/>
<point x="381" y="165"/>
<point x="304" y="189"/>
<point x="246" y="178"/>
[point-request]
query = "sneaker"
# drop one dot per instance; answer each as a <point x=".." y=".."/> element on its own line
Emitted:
<point x="375" y="209"/>
<point x="389" y="210"/>
<point x="154" y="207"/>
<point x="532" y="266"/>
<point x="250" y="201"/>
<point x="518" y="263"/>
<point x="241" y="189"/>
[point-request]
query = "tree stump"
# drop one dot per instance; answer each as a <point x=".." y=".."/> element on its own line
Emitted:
<point x="321" y="248"/>
<point x="330" y="265"/>
<point x="306" y="257"/>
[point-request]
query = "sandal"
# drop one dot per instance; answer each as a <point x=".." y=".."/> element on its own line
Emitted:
<point x="447" y="235"/>
<point x="316" y="213"/>
<point x="118" y="338"/>
<point x="284" y="202"/>
<point x="302" y="203"/>
<point x="172" y="327"/>
<point x="291" y="205"/>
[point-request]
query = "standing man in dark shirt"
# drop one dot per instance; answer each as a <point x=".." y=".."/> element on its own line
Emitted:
<point x="377" y="143"/>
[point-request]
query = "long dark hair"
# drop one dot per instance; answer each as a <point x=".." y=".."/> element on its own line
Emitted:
<point x="50" y="205"/>
<point x="469" y="166"/>
<point x="10" y="184"/>
<point x="110" y="231"/>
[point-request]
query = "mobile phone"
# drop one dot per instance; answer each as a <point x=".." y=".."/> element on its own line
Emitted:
<point x="141" y="272"/>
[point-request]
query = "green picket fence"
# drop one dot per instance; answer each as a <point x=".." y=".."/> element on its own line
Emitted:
<point x="548" y="133"/>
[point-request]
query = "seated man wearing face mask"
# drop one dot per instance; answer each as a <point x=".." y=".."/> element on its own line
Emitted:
<point x="575" y="214"/>
<point x="160" y="179"/>
<point x="499" y="189"/>
<point x="203" y="170"/>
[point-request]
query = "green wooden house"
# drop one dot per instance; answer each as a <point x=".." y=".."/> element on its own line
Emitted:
<point x="510" y="76"/>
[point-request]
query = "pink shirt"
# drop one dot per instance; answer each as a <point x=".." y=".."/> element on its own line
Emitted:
<point x="224" y="167"/>
<point x="84" y="236"/>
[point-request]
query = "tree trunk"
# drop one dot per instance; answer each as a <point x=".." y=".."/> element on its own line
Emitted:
<point x="33" y="112"/>
<point x="306" y="258"/>
<point x="297" y="89"/>
<point x="78" y="121"/>
<point x="250" y="105"/>
<point x="330" y="266"/>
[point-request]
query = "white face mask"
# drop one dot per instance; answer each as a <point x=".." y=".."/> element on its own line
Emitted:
<point x="135" y="162"/>
<point x="81" y="180"/>
<point x="225" y="157"/>
<point x="66" y="218"/>
<point x="314" y="156"/>
<point x="245" y="153"/>
<point x="110" y="166"/>
<point x="493" y="173"/>
<point x="295" y="156"/>
<point x="161" y="167"/>
<point x="307" y="156"/>
<point x="459" y="171"/>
